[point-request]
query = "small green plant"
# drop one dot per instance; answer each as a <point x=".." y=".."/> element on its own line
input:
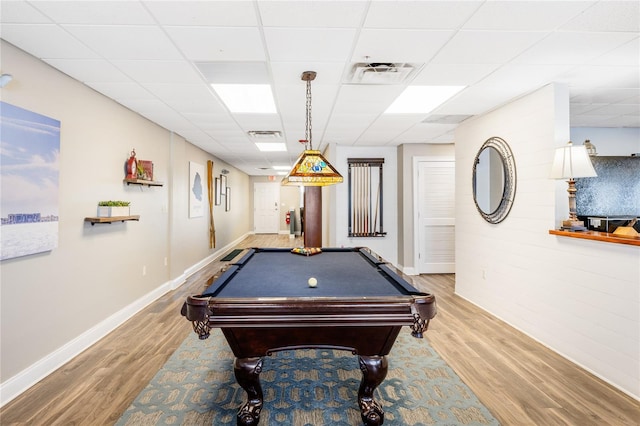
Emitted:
<point x="114" y="203"/>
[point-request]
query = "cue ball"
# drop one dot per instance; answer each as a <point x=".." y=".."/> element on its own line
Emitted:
<point x="312" y="282"/>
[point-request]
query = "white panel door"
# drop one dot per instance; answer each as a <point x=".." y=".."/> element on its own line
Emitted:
<point x="266" y="212"/>
<point x="436" y="217"/>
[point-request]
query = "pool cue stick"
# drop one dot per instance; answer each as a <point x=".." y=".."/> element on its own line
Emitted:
<point x="375" y="224"/>
<point x="212" y="227"/>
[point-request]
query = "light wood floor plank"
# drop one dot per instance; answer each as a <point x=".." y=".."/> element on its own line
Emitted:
<point x="519" y="380"/>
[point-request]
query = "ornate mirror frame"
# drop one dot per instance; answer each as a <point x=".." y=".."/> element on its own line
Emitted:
<point x="509" y="173"/>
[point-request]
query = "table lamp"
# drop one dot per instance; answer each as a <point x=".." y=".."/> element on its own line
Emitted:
<point x="571" y="162"/>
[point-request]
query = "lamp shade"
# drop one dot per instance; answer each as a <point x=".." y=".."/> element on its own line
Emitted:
<point x="312" y="169"/>
<point x="572" y="162"/>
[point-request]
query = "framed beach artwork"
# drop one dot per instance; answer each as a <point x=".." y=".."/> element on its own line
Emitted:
<point x="29" y="182"/>
<point x="196" y="190"/>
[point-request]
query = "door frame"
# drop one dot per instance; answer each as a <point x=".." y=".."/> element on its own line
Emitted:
<point x="416" y="222"/>
<point x="274" y="184"/>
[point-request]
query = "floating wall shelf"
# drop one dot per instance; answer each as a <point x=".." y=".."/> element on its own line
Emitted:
<point x="142" y="182"/>
<point x="94" y="220"/>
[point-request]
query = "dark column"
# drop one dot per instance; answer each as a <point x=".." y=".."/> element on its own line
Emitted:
<point x="247" y="372"/>
<point x="313" y="216"/>
<point x="374" y="370"/>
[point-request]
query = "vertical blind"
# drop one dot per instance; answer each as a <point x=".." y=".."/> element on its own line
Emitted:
<point x="365" y="197"/>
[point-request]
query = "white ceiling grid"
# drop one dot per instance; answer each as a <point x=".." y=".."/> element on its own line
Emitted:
<point x="158" y="58"/>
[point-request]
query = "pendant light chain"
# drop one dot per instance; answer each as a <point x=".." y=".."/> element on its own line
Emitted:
<point x="307" y="133"/>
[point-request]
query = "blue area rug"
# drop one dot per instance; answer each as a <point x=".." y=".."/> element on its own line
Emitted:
<point x="305" y="388"/>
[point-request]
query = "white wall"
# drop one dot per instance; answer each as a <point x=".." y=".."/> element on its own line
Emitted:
<point x="56" y="304"/>
<point x="386" y="246"/>
<point x="609" y="141"/>
<point x="580" y="298"/>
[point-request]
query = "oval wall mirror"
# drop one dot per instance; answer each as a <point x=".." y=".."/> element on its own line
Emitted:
<point x="494" y="180"/>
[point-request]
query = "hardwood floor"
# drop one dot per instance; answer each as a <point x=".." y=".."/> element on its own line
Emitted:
<point x="520" y="381"/>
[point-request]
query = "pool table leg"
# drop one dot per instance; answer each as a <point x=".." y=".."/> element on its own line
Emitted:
<point x="247" y="372"/>
<point x="374" y="370"/>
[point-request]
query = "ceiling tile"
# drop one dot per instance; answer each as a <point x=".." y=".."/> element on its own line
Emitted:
<point x="120" y="91"/>
<point x="203" y="13"/>
<point x="525" y="77"/>
<point x="60" y="44"/>
<point x="366" y="99"/>
<point x="607" y="16"/>
<point x="524" y="15"/>
<point x="310" y="14"/>
<point x="626" y="55"/>
<point x="218" y="44"/>
<point x="309" y="44"/>
<point x="419" y="14"/>
<point x="21" y="12"/>
<point x="151" y="72"/>
<point x="377" y="45"/>
<point x="603" y="76"/>
<point x="290" y="73"/>
<point x="453" y="74"/>
<point x="478" y="99"/>
<point x="126" y="41"/>
<point x="234" y="72"/>
<point x="90" y="70"/>
<point x="485" y="47"/>
<point x="573" y="48"/>
<point x="424" y="132"/>
<point x="95" y="12"/>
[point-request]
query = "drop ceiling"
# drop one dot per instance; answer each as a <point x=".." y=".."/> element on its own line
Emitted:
<point x="158" y="59"/>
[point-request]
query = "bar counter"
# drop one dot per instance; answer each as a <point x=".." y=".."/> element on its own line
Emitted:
<point x="606" y="237"/>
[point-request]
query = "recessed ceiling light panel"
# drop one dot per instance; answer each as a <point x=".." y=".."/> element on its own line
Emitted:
<point x="422" y="99"/>
<point x="271" y="147"/>
<point x="247" y="98"/>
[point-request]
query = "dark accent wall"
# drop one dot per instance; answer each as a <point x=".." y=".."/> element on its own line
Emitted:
<point x="614" y="192"/>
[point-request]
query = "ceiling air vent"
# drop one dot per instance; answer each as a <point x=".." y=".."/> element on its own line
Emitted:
<point x="380" y="73"/>
<point x="265" y="134"/>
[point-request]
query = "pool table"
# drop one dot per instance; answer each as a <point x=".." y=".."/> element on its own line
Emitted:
<point x="263" y="303"/>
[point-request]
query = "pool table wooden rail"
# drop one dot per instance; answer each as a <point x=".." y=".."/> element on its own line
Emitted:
<point x="213" y="312"/>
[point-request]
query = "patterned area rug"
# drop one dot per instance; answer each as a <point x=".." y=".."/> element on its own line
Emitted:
<point x="305" y="388"/>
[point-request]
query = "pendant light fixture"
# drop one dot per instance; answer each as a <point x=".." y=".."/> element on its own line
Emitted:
<point x="311" y="168"/>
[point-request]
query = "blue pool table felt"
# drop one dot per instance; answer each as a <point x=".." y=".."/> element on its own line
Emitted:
<point x="284" y="274"/>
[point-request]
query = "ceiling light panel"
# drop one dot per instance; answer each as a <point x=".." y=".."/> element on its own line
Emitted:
<point x="271" y="147"/>
<point x="246" y="98"/>
<point x="422" y="99"/>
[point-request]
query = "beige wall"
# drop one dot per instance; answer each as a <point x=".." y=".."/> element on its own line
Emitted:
<point x="57" y="303"/>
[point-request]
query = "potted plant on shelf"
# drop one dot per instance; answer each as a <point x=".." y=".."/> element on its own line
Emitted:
<point x="113" y="208"/>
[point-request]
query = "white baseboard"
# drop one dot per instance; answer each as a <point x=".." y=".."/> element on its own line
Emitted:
<point x="408" y="270"/>
<point x="28" y="377"/>
<point x="31" y="375"/>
